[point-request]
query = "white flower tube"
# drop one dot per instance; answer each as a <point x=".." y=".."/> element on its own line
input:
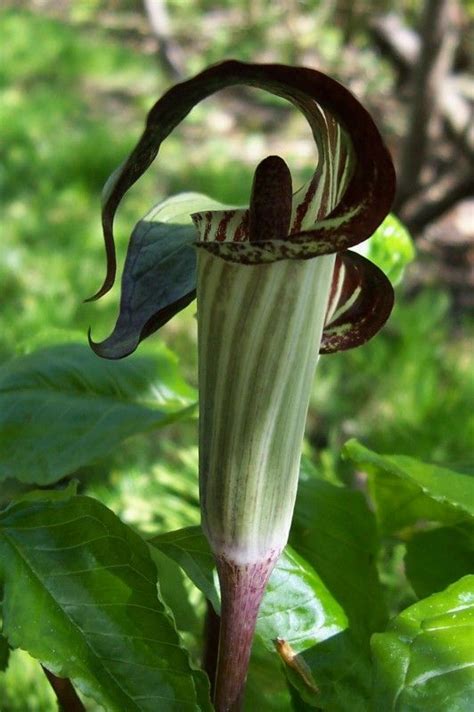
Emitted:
<point x="259" y="330"/>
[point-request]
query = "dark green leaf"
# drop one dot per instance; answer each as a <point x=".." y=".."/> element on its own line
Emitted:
<point x="81" y="597"/>
<point x="62" y="408"/>
<point x="159" y="276"/>
<point x="334" y="530"/>
<point x="190" y="549"/>
<point x="341" y="669"/>
<point x="266" y="688"/>
<point x="296" y="605"/>
<point x="434" y="559"/>
<point x="173" y="592"/>
<point x="425" y="659"/>
<point x="406" y="490"/>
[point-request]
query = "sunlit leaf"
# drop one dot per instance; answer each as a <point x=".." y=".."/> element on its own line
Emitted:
<point x="406" y="490"/>
<point x="434" y="559"/>
<point x="80" y="595"/>
<point x="390" y="248"/>
<point x="62" y="408"/>
<point x="425" y="659"/>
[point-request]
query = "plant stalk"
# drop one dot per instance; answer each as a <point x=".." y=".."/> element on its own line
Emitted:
<point x="67" y="696"/>
<point x="242" y="588"/>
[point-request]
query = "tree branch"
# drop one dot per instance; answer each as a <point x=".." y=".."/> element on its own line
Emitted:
<point x="438" y="43"/>
<point x="436" y="199"/>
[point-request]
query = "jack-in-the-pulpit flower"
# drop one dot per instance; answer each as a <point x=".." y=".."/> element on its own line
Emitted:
<point x="276" y="286"/>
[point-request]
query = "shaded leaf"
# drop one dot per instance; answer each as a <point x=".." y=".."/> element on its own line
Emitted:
<point x="434" y="559"/>
<point x="266" y="687"/>
<point x="89" y="584"/>
<point x="342" y="670"/>
<point x="190" y="549"/>
<point x="62" y="408"/>
<point x="296" y="606"/>
<point x="425" y="659"/>
<point x="405" y="490"/>
<point x="173" y="592"/>
<point x="159" y="276"/>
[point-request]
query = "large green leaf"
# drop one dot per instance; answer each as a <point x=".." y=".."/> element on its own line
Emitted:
<point x="334" y="530"/>
<point x="62" y="408"/>
<point x="425" y="659"/>
<point x="406" y="490"/>
<point x="80" y="595"/>
<point x="296" y="606"/>
<point x="434" y="559"/>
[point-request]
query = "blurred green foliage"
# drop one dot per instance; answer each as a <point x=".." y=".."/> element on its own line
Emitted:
<point x="72" y="100"/>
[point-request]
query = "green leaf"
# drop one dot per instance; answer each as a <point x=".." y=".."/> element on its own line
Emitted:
<point x="390" y="247"/>
<point x="159" y="276"/>
<point x="296" y="605"/>
<point x="405" y="490"/>
<point x="425" y="659"/>
<point x="62" y="408"/>
<point x="173" y="592"/>
<point x="341" y="668"/>
<point x="434" y="559"/>
<point x="335" y="532"/>
<point x="81" y="597"/>
<point x="266" y="687"/>
<point x="190" y="549"/>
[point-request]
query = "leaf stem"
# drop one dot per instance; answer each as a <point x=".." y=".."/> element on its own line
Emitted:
<point x="211" y="644"/>
<point x="242" y="588"/>
<point x="67" y="696"/>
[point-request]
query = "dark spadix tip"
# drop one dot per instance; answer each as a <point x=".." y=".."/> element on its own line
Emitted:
<point x="270" y="201"/>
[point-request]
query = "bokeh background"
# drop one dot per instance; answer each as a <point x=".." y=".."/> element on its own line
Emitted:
<point x="76" y="80"/>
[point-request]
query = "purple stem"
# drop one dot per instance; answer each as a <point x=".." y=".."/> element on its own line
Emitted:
<point x="242" y="589"/>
